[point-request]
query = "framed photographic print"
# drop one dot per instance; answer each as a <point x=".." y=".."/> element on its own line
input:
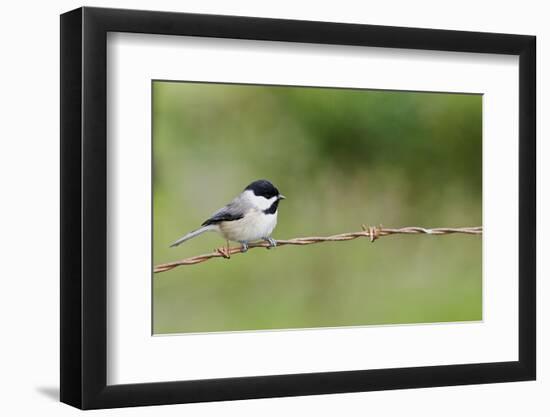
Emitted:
<point x="258" y="208"/>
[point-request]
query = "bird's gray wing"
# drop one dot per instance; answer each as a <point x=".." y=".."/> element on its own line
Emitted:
<point x="235" y="210"/>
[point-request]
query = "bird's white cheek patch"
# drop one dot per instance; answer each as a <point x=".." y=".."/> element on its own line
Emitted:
<point x="259" y="202"/>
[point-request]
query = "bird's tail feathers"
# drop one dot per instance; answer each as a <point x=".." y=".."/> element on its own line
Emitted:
<point x="193" y="234"/>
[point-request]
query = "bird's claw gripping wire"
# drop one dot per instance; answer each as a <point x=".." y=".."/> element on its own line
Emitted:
<point x="272" y="242"/>
<point x="223" y="251"/>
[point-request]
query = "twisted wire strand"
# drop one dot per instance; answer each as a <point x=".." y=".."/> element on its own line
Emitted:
<point x="371" y="232"/>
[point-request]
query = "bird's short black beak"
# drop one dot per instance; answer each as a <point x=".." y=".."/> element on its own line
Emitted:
<point x="281" y="197"/>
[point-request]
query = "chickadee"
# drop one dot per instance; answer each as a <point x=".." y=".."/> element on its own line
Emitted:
<point x="250" y="216"/>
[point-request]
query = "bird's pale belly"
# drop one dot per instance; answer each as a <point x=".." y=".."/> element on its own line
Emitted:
<point x="254" y="226"/>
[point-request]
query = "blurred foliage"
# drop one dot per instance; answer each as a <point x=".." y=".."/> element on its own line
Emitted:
<point x="343" y="158"/>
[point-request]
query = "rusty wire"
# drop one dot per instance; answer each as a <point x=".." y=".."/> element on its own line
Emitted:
<point x="371" y="232"/>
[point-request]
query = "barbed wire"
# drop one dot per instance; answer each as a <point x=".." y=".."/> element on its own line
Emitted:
<point x="371" y="232"/>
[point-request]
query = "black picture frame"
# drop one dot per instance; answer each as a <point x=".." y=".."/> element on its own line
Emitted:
<point x="84" y="207"/>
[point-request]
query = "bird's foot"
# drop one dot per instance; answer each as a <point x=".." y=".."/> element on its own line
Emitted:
<point x="272" y="242"/>
<point x="244" y="246"/>
<point x="224" y="251"/>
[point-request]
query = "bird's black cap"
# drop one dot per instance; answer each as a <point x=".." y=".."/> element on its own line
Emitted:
<point x="263" y="188"/>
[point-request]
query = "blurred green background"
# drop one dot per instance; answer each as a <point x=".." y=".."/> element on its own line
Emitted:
<point x="342" y="158"/>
